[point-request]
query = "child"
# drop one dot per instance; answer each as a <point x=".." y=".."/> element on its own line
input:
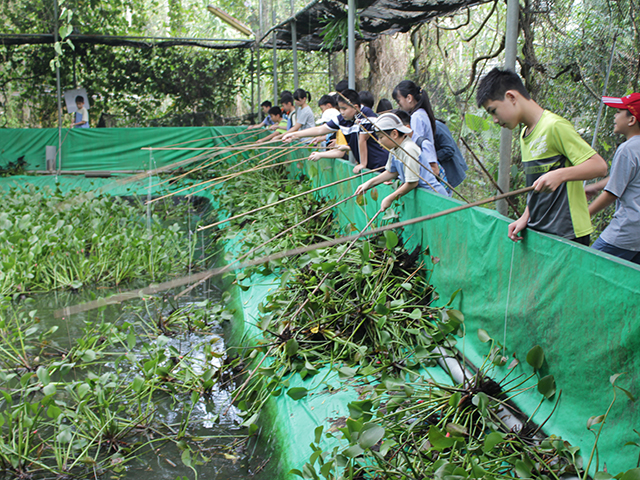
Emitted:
<point x="415" y="101"/>
<point x="365" y="149"/>
<point x="449" y="155"/>
<point x="327" y="104"/>
<point x="81" y="116"/>
<point x="555" y="158"/>
<point x="266" y="106"/>
<point x="286" y="100"/>
<point x="402" y="161"/>
<point x="425" y="172"/>
<point x="366" y="100"/>
<point x="384" y="106"/>
<point x="622" y="237"/>
<point x="304" y="114"/>
<point x="275" y="113"/>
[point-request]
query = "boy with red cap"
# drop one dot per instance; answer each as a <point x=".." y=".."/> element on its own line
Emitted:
<point x="622" y="237"/>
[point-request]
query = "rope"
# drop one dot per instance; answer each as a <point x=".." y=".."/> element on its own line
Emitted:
<point x="506" y="308"/>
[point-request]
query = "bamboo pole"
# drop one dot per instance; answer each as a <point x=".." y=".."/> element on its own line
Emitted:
<point x="233" y="135"/>
<point x="240" y="215"/>
<point x="155" y="288"/>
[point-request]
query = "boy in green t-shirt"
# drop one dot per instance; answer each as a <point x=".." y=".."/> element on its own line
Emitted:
<point x="556" y="159"/>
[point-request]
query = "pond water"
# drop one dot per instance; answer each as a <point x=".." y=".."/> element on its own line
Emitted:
<point x="223" y="449"/>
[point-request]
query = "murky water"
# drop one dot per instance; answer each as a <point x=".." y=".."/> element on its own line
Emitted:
<point x="214" y="425"/>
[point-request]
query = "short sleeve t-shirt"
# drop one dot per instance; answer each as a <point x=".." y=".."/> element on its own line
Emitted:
<point x="555" y="144"/>
<point x="304" y="116"/>
<point x="421" y="127"/>
<point x="624" y="183"/>
<point x="351" y="129"/>
<point x="404" y="162"/>
<point x="82" y="115"/>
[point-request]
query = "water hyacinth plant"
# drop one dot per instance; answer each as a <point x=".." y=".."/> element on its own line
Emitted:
<point x="50" y="240"/>
<point x="118" y="391"/>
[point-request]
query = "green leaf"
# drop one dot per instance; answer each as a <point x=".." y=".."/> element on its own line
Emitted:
<point x="43" y="375"/>
<point x="535" y="357"/>
<point x="360" y="200"/>
<point x="627" y="393"/>
<point x="88" y="356"/>
<point x="491" y="440"/>
<point x="82" y="389"/>
<point x="483" y="336"/>
<point x="407" y="286"/>
<point x="439" y="441"/>
<point x="633" y="474"/>
<point x="186" y="457"/>
<point x="291" y="347"/>
<point x="365" y="252"/>
<point x="138" y="384"/>
<point x="595" y="420"/>
<point x="392" y="239"/>
<point x="353" y="451"/>
<point x="476" y="123"/>
<point x="297" y="393"/>
<point x="318" y="434"/>
<point x="371" y="436"/>
<point x="49" y="389"/>
<point x="131" y="340"/>
<point x="415" y="314"/>
<point x="374" y="194"/>
<point x="347" y="372"/>
<point x="456" y="429"/>
<point x="602" y="476"/>
<point x="615" y="377"/>
<point x="547" y="386"/>
<point x="523" y="470"/>
<point x="53" y="411"/>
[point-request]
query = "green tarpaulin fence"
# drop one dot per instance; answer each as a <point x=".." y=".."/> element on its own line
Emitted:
<point x="110" y="148"/>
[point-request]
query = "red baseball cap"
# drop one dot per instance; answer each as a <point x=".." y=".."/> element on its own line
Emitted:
<point x="630" y="102"/>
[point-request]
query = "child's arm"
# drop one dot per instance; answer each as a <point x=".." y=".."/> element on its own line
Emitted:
<point x="363" y="151"/>
<point x="519" y="225"/>
<point x="269" y="137"/>
<point x="309" y="132"/>
<point x="592" y="168"/>
<point x="377" y="180"/>
<point x="403" y="190"/>
<point x="603" y="201"/>
<point x="594" y="188"/>
<point x="295" y="128"/>
<point x="334" y="153"/>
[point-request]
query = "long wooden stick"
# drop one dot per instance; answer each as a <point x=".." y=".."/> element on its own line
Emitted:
<point x="213" y="138"/>
<point x="489" y="176"/>
<point x="224" y="178"/>
<point x="251" y="146"/>
<point x="155" y="288"/>
<point x="240" y="215"/>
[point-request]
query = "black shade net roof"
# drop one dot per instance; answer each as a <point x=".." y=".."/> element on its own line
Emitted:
<point x="377" y="17"/>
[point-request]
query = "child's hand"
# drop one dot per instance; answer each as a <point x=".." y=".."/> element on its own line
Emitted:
<point x="517" y="227"/>
<point x="386" y="203"/>
<point x="591" y="190"/>
<point x="288" y="137"/>
<point x="315" y="156"/>
<point x="332" y="144"/>
<point x="357" y="168"/>
<point x="361" y="189"/>
<point x="549" y="182"/>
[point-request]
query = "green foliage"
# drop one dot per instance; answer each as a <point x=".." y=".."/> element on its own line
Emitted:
<point x="55" y="241"/>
